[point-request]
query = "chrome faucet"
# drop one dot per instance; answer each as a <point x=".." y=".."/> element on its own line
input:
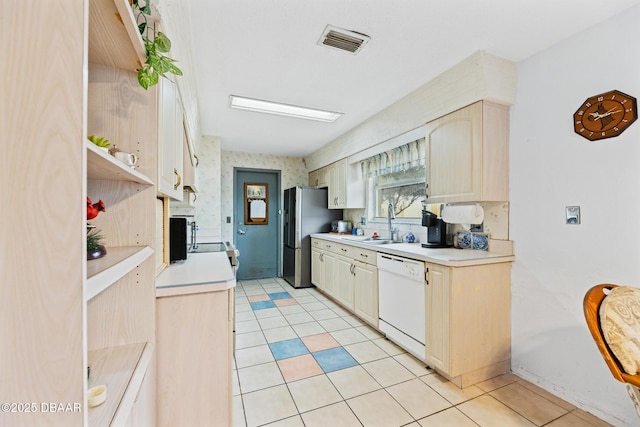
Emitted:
<point x="391" y="214"/>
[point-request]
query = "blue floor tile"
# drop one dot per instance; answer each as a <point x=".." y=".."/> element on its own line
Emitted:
<point x="259" y="305"/>
<point x="289" y="348"/>
<point x="279" y="295"/>
<point x="334" y="359"/>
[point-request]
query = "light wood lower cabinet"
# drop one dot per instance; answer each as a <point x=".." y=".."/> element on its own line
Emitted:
<point x="349" y="275"/>
<point x="468" y="321"/>
<point x="194" y="354"/>
<point x="366" y="292"/>
<point x="317" y="268"/>
<point x="345" y="281"/>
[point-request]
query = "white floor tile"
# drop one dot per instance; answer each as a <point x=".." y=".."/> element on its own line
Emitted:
<point x="266" y="406"/>
<point x="353" y="381"/>
<point x="306" y="329"/>
<point x="334" y="324"/>
<point x="250" y="339"/>
<point x="315" y="392"/>
<point x="251" y="356"/>
<point x="379" y="409"/>
<point x="388" y="371"/>
<point x="348" y="336"/>
<point x="273" y="322"/>
<point x="259" y="377"/>
<point x="336" y="415"/>
<point x="279" y="334"/>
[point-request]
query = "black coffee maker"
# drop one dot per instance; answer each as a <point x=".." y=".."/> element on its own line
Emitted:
<point x="437" y="231"/>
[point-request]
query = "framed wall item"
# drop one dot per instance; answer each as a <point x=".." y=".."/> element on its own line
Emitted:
<point x="256" y="203"/>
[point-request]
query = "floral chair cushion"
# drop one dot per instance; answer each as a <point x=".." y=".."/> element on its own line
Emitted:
<point x="620" y="322"/>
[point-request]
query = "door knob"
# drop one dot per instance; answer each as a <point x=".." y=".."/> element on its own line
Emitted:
<point x="242" y="232"/>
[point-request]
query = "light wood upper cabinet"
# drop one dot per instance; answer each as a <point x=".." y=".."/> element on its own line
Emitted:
<point x="346" y="188"/>
<point x="319" y="178"/>
<point x="189" y="165"/>
<point x="313" y="179"/>
<point x="171" y="135"/>
<point x="467" y="155"/>
<point x="323" y="178"/>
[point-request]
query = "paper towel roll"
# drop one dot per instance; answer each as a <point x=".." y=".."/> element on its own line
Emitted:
<point x="463" y="214"/>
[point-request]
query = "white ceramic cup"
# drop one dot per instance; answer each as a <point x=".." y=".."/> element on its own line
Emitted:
<point x="127" y="158"/>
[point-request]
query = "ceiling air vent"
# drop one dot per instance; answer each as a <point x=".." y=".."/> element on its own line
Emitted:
<point x="339" y="38"/>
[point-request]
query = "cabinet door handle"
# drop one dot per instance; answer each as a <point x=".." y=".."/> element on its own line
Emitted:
<point x="177" y="184"/>
<point x="197" y="160"/>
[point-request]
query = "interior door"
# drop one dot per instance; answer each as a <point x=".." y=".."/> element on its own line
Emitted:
<point x="257" y="237"/>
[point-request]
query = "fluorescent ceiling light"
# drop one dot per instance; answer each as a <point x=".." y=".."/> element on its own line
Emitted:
<point x="268" y="107"/>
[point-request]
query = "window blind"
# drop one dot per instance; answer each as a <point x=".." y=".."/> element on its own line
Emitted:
<point x="407" y="156"/>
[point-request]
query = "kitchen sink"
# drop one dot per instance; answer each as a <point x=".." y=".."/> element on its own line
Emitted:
<point x="370" y="241"/>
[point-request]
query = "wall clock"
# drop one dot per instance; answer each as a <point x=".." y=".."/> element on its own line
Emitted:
<point x="605" y="115"/>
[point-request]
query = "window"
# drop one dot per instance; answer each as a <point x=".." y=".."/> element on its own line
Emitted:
<point x="396" y="177"/>
<point x="405" y="190"/>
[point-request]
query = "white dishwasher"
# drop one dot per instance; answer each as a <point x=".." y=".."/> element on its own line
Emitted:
<point x="402" y="304"/>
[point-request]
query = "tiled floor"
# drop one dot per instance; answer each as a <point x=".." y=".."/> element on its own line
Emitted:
<point x="302" y="360"/>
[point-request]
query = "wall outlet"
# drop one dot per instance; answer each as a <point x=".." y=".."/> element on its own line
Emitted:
<point x="573" y="214"/>
<point x="363" y="220"/>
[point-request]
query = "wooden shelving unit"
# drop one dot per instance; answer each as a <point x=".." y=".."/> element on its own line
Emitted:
<point x="119" y="289"/>
<point x="122" y="369"/>
<point x="119" y="261"/>
<point x="60" y="312"/>
<point x="101" y="165"/>
<point x="114" y="42"/>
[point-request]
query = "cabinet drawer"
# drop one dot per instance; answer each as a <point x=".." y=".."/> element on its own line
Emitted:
<point x="365" y="255"/>
<point x="333" y="247"/>
<point x="344" y="250"/>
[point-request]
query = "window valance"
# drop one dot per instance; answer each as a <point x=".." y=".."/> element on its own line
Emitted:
<point x="407" y="156"/>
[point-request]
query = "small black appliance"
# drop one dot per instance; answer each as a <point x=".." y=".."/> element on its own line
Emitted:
<point x="437" y="231"/>
<point x="177" y="239"/>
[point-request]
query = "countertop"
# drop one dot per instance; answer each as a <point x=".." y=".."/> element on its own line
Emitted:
<point x="200" y="272"/>
<point x="451" y="257"/>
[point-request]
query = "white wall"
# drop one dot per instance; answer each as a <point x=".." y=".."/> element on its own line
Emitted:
<point x="552" y="167"/>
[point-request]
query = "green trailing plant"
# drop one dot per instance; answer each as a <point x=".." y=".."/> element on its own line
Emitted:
<point x="99" y="141"/>
<point x="157" y="63"/>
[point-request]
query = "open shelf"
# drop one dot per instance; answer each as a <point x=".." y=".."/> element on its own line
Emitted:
<point x="103" y="272"/>
<point x="102" y="165"/>
<point x="122" y="370"/>
<point x="114" y="39"/>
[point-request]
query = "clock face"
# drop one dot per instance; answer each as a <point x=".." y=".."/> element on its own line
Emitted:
<point x="605" y="115"/>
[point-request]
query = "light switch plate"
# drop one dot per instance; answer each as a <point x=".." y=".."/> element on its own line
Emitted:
<point x="573" y="214"/>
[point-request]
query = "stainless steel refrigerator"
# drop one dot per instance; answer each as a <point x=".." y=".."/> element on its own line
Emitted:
<point x="305" y="212"/>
